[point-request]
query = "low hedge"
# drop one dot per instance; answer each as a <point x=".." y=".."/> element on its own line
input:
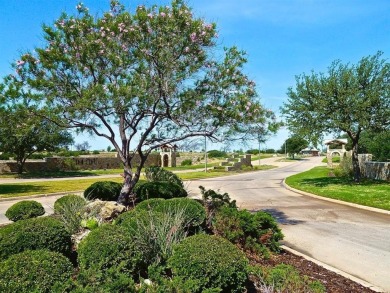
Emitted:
<point x="25" y="209"/>
<point x="103" y="190"/>
<point x="32" y="234"/>
<point x="159" y="189"/>
<point x="213" y="262"/>
<point x="34" y="271"/>
<point x="253" y="231"/>
<point x="109" y="246"/>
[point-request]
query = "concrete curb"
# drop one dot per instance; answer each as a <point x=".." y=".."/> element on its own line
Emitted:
<point x="333" y="269"/>
<point x="371" y="209"/>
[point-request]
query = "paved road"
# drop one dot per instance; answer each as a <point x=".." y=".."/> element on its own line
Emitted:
<point x="350" y="239"/>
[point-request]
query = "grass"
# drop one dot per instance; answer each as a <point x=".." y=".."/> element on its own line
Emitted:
<point x="335" y="159"/>
<point x="77" y="185"/>
<point x="368" y="192"/>
<point x="47" y="187"/>
<point x="262" y="156"/>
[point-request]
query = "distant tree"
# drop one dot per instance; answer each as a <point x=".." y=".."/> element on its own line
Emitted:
<point x="151" y="76"/>
<point x="83" y="146"/>
<point x="23" y="131"/>
<point x="294" y="145"/>
<point x="109" y="148"/>
<point x="349" y="98"/>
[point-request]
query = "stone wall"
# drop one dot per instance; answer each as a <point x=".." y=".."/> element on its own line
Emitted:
<point x="374" y="170"/>
<point x="75" y="163"/>
<point x="237" y="161"/>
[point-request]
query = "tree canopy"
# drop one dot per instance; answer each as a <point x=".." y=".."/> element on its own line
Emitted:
<point x="294" y="145"/>
<point x="22" y="131"/>
<point x="348" y="98"/>
<point x="141" y="79"/>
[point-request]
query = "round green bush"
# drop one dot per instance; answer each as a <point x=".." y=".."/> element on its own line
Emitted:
<point x="192" y="211"/>
<point x="34" y="271"/>
<point x="160" y="189"/>
<point x="32" y="234"/>
<point x="155" y="173"/>
<point x="103" y="190"/>
<point x="25" y="209"/>
<point x="67" y="201"/>
<point x="187" y="162"/>
<point x="212" y="261"/>
<point x="109" y="246"/>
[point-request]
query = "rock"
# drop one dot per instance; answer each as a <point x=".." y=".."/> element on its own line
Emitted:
<point x="103" y="211"/>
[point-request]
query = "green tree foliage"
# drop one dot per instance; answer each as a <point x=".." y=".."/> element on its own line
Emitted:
<point x="150" y="75"/>
<point x="348" y="98"/>
<point x="23" y="131"/>
<point x="294" y="145"/>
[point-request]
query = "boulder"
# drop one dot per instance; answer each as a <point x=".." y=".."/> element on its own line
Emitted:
<point x="103" y="211"/>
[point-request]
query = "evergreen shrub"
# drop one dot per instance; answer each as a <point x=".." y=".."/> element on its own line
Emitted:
<point x="213" y="262"/>
<point x="187" y="162"/>
<point x="160" y="189"/>
<point x="33" y="234"/>
<point x="155" y="173"/>
<point x="34" y="271"/>
<point x="109" y="247"/>
<point x="25" y="209"/>
<point x="252" y="231"/>
<point x="103" y="190"/>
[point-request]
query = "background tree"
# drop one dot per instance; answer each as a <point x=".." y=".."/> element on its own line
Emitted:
<point x="294" y="145"/>
<point x="22" y="131"/>
<point x="349" y="98"/>
<point x="141" y="79"/>
<point x="83" y="146"/>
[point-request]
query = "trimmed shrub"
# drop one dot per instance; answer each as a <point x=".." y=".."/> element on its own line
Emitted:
<point x="108" y="247"/>
<point x="32" y="234"/>
<point x="103" y="190"/>
<point x="187" y="162"/>
<point x="34" y="271"/>
<point x="252" y="231"/>
<point x="5" y="156"/>
<point x="160" y="189"/>
<point x="25" y="209"/>
<point x="210" y="260"/>
<point x="194" y="214"/>
<point x="160" y="174"/>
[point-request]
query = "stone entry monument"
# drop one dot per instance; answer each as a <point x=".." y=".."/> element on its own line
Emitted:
<point x="168" y="155"/>
<point x="331" y="151"/>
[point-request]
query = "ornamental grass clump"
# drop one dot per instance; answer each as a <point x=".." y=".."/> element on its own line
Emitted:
<point x="212" y="262"/>
<point x="34" y="271"/>
<point x="69" y="210"/>
<point x="25" y="209"/>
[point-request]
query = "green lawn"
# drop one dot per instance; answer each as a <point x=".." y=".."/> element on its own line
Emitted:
<point x="368" y="192"/>
<point x="73" y="185"/>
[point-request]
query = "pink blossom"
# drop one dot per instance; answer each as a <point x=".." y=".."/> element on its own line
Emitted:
<point x="186" y="49"/>
<point x="203" y="33"/>
<point x="20" y="62"/>
<point x="150" y="15"/>
<point x="150" y="30"/>
<point x="208" y="26"/>
<point x="101" y="52"/>
<point x="198" y="103"/>
<point x="112" y="34"/>
<point x="193" y="37"/>
<point x="163" y="14"/>
<point x="219" y="108"/>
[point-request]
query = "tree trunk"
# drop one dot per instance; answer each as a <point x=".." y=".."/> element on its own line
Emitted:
<point x="355" y="161"/>
<point x="127" y="188"/>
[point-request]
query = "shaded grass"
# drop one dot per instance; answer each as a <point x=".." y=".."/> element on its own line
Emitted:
<point x="47" y="187"/>
<point x="368" y="192"/>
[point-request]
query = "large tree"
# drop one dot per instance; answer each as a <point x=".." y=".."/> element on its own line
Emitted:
<point x="23" y="131"/>
<point x="141" y="79"/>
<point x="349" y="98"/>
<point x="294" y="145"/>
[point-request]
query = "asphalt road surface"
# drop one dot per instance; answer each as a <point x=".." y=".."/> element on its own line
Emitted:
<point x="352" y="240"/>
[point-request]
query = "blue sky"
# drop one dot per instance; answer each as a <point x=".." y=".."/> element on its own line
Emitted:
<point x="283" y="38"/>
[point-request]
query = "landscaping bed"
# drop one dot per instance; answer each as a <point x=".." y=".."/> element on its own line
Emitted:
<point x="333" y="282"/>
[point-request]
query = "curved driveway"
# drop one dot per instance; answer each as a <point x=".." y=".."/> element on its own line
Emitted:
<point x="350" y="239"/>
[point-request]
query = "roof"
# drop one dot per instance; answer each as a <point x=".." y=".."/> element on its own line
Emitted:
<point x="337" y="140"/>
